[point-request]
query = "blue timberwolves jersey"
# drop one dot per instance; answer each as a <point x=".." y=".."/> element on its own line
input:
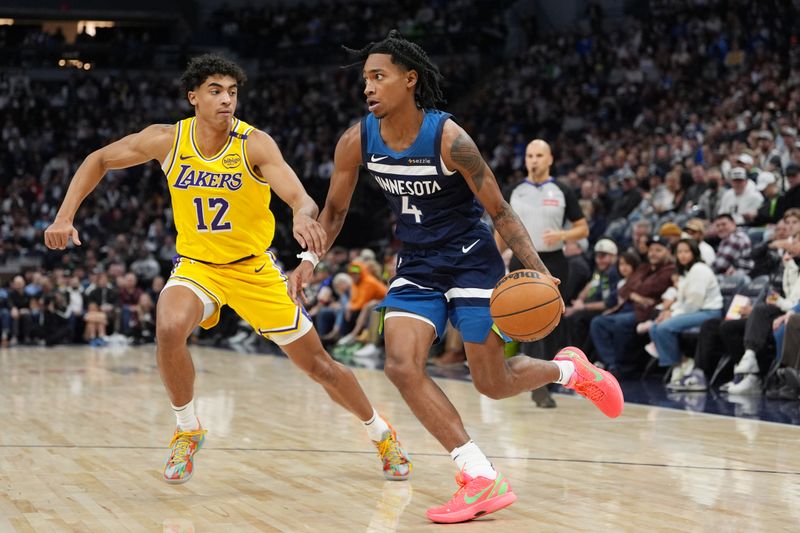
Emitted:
<point x="432" y="205"/>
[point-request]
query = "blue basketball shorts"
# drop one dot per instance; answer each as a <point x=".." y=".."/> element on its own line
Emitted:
<point x="453" y="281"/>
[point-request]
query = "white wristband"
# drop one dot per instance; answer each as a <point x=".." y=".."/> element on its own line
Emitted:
<point x="309" y="256"/>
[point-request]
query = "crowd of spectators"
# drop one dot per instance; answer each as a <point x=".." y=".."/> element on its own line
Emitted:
<point x="678" y="133"/>
<point x="78" y="305"/>
<point x="280" y="34"/>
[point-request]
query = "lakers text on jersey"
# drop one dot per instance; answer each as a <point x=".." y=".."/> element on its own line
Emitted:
<point x="220" y="205"/>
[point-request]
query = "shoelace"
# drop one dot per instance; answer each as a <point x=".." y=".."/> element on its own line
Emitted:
<point x="462" y="486"/>
<point x="387" y="450"/>
<point x="184" y="440"/>
<point x="590" y="390"/>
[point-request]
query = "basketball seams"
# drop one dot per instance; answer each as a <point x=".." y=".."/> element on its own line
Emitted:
<point x="534" y="336"/>
<point x="518" y="311"/>
<point x="526" y="282"/>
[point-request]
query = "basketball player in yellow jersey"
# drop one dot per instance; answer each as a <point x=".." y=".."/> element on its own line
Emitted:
<point x="221" y="172"/>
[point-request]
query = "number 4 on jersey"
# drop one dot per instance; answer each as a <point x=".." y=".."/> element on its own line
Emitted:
<point x="409" y="209"/>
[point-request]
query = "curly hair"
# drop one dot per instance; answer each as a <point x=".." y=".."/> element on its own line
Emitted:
<point x="200" y="68"/>
<point x="412" y="57"/>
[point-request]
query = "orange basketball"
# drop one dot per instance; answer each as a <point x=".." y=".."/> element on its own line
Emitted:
<point x="526" y="305"/>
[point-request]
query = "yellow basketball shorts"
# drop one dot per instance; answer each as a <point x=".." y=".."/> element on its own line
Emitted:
<point x="255" y="288"/>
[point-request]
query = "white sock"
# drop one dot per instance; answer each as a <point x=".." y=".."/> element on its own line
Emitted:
<point x="187" y="420"/>
<point x="470" y="459"/>
<point x="376" y="426"/>
<point x="566" y="368"/>
<point x="749" y="353"/>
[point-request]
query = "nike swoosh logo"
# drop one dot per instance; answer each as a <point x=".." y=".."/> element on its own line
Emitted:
<point x="469" y="500"/>
<point x="259" y="269"/>
<point x="184" y="157"/>
<point x="589" y="366"/>
<point x="376" y="159"/>
<point x="465" y="249"/>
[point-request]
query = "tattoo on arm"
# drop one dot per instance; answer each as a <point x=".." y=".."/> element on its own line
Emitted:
<point x="510" y="228"/>
<point x="465" y="154"/>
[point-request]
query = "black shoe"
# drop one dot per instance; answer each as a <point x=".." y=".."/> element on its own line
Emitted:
<point x="784" y="385"/>
<point x="542" y="398"/>
<point x="787" y="392"/>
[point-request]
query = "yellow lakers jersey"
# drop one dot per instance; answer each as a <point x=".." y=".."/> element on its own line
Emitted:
<point x="220" y="205"/>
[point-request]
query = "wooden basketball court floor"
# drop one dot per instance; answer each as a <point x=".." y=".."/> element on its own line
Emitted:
<point x="85" y="431"/>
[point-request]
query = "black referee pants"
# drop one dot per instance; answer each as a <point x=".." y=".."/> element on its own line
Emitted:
<point x="556" y="262"/>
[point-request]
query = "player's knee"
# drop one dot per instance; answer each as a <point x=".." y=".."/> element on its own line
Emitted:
<point x="489" y="388"/>
<point x="323" y="370"/>
<point x="172" y="331"/>
<point x="401" y="373"/>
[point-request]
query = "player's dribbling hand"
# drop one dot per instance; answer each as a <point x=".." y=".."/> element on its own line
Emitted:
<point x="309" y="234"/>
<point x="557" y="282"/>
<point x="299" y="279"/>
<point x="58" y="234"/>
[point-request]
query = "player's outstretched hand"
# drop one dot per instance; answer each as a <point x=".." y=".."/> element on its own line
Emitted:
<point x="309" y="234"/>
<point x="299" y="279"/>
<point x="58" y="234"/>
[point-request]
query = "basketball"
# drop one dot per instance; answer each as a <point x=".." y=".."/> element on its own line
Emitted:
<point x="526" y="305"/>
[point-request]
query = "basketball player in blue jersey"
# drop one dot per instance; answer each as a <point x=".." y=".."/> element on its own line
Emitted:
<point x="438" y="185"/>
<point x="221" y="210"/>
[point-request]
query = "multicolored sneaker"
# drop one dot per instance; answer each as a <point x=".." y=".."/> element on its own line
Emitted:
<point x="474" y="498"/>
<point x="396" y="463"/>
<point x="593" y="383"/>
<point x="184" y="444"/>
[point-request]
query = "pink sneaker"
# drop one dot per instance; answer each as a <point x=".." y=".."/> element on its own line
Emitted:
<point x="593" y="383"/>
<point x="474" y="498"/>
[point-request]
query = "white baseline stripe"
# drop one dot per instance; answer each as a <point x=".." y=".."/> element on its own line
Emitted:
<point x="403" y="170"/>
<point x="468" y="293"/>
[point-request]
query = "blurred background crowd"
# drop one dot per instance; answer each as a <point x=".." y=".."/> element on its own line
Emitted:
<point x="674" y="123"/>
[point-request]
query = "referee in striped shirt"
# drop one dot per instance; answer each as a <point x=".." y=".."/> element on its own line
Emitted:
<point x="545" y="206"/>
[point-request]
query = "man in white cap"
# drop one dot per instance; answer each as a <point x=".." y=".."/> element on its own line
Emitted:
<point x="742" y="200"/>
<point x="749" y="164"/>
<point x="597" y="296"/>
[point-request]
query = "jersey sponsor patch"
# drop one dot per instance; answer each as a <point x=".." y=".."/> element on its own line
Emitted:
<point x="231" y="161"/>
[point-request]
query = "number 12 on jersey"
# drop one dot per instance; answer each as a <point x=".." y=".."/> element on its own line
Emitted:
<point x="409" y="209"/>
<point x="218" y="206"/>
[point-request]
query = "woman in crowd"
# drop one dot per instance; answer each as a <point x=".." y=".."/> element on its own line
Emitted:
<point x="698" y="299"/>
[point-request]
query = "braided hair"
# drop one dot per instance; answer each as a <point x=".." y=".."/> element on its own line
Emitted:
<point x="411" y="56"/>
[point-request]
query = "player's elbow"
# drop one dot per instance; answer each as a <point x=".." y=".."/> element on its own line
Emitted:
<point x="99" y="159"/>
